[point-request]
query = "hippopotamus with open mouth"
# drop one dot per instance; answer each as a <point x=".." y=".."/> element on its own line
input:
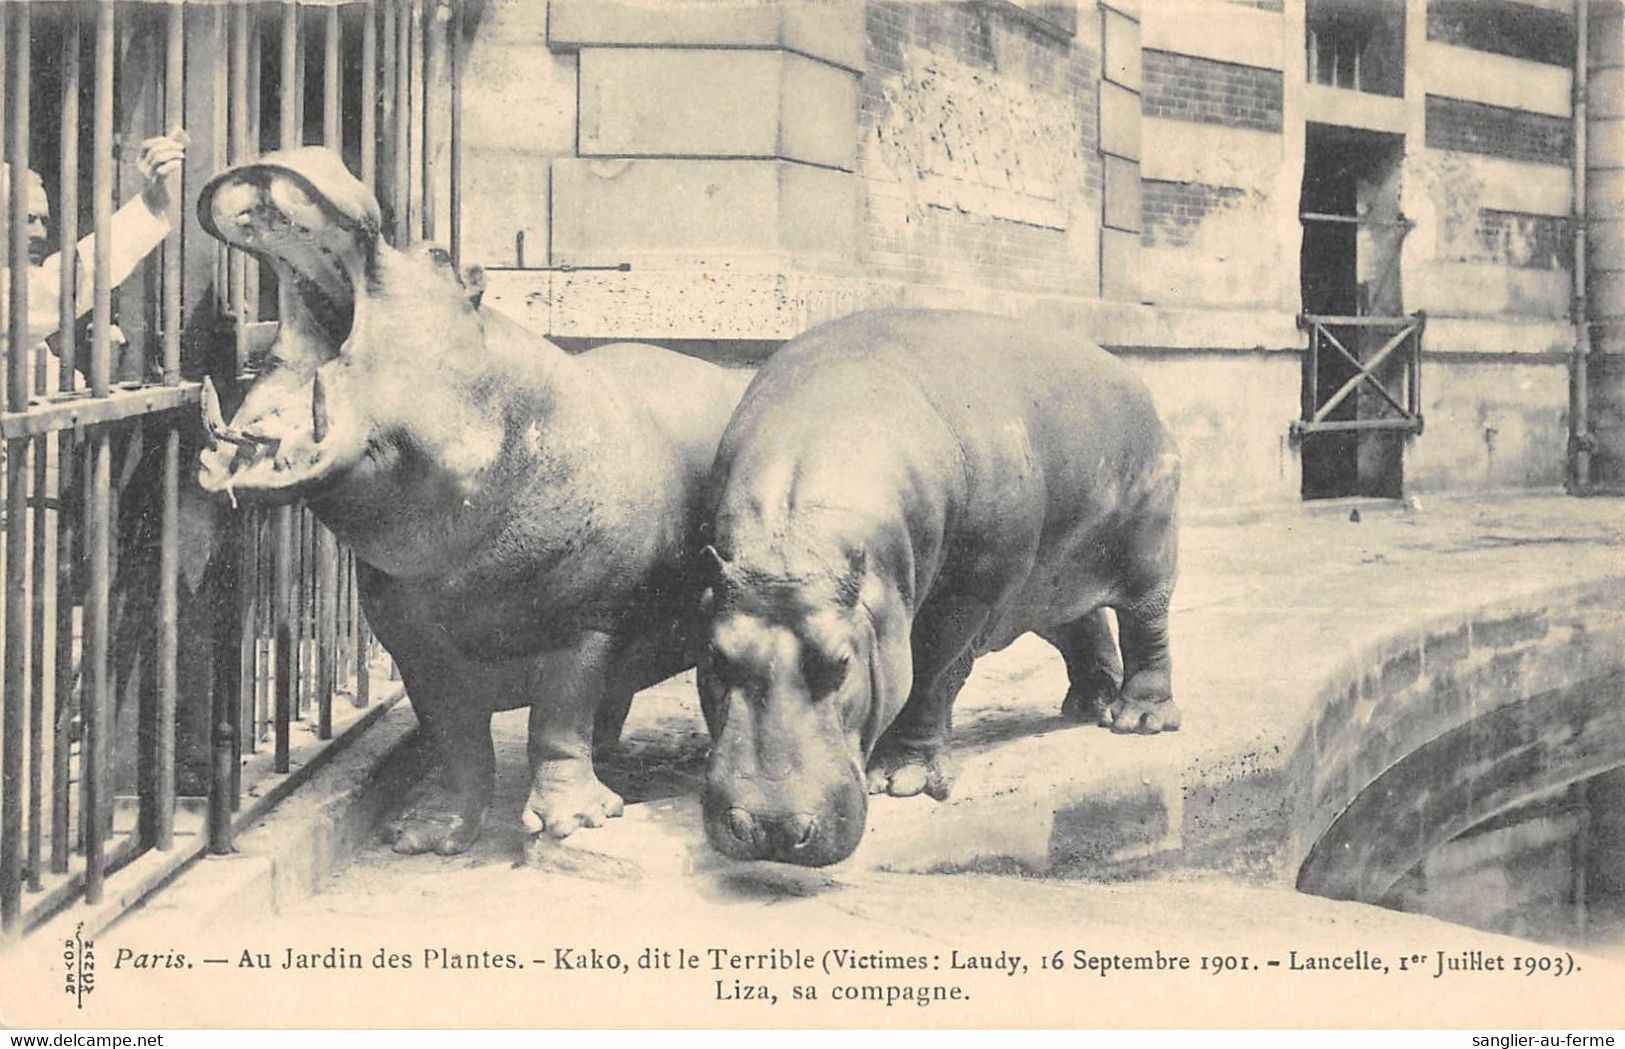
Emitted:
<point x="898" y="493"/>
<point x="524" y="521"/>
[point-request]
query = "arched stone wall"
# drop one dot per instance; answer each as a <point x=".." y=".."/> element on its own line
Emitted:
<point x="1437" y="731"/>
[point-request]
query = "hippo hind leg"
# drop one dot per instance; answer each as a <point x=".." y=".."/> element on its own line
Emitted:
<point x="1146" y="703"/>
<point x="1094" y="671"/>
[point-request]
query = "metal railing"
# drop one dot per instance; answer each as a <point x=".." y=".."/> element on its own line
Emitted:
<point x="1402" y="394"/>
<point x="157" y="646"/>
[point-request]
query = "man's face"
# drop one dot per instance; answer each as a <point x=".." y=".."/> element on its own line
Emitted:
<point x="39" y="220"/>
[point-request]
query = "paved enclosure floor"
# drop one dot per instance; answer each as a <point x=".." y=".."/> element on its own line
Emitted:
<point x="1268" y="604"/>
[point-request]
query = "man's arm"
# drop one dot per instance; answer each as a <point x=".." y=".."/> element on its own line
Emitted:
<point x="137" y="227"/>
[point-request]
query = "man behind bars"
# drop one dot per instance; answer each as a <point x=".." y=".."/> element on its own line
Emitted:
<point x="137" y="228"/>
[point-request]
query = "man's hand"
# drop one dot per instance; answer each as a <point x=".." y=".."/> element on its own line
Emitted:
<point x="159" y="158"/>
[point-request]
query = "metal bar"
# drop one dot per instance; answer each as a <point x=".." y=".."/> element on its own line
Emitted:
<point x="174" y="119"/>
<point x="326" y="630"/>
<point x="1338" y="425"/>
<point x="66" y="598"/>
<point x="288" y="82"/>
<point x="248" y="588"/>
<point x="97" y="708"/>
<point x="282" y="596"/>
<point x="1314" y="371"/>
<point x="75" y="412"/>
<point x="102" y="197"/>
<point x="163" y="822"/>
<point x="1363" y="321"/>
<point x="36" y="683"/>
<point x="238" y="97"/>
<point x="331" y="131"/>
<point x="67" y="211"/>
<point x="223" y="697"/>
<point x="369" y="98"/>
<point x="403" y="126"/>
<point x="1366" y="373"/>
<point x="19" y="346"/>
<point x="456" y="202"/>
<point x="388" y="131"/>
<point x="433" y="43"/>
<point x="1416" y="366"/>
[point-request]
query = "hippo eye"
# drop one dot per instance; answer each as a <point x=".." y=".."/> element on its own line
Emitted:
<point x="823" y="674"/>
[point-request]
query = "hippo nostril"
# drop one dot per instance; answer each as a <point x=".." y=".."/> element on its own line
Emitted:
<point x="802" y="827"/>
<point x="741" y="826"/>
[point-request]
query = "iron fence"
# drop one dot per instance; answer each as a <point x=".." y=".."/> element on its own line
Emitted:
<point x="158" y="649"/>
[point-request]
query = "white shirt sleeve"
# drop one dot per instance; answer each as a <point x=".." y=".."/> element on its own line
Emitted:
<point x="134" y="232"/>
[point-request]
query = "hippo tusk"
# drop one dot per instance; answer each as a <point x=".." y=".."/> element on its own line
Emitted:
<point x="213" y="422"/>
<point x="318" y="410"/>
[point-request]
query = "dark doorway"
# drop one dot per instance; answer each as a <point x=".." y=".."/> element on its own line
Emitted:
<point x="1349" y="268"/>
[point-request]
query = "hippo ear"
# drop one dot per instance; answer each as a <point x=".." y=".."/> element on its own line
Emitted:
<point x="474" y="284"/>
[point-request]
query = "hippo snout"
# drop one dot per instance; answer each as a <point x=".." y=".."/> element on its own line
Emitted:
<point x="806" y="838"/>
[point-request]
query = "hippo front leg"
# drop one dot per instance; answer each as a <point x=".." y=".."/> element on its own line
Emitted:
<point x="565" y="792"/>
<point x="913" y="755"/>
<point x="461" y="736"/>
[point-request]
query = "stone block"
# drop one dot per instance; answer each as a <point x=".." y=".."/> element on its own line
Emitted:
<point x="1119" y="265"/>
<point x="708" y="211"/>
<point x="687" y="102"/>
<point x="1119" y="121"/>
<point x="1121" y="41"/>
<point x="1122" y="203"/>
<point x="829" y="30"/>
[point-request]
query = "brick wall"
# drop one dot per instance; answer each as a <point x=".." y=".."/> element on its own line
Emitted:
<point x="979" y="154"/>
<point x="1171" y="211"/>
<point x="1474" y="127"/>
<point x="1504" y="27"/>
<point x="1180" y="87"/>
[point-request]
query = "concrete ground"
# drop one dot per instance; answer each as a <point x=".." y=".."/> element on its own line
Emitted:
<point x="1059" y="838"/>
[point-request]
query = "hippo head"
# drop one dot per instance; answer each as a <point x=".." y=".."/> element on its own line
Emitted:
<point x="363" y="356"/>
<point x="788" y="692"/>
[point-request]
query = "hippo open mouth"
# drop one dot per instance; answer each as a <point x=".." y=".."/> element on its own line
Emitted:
<point x="303" y="214"/>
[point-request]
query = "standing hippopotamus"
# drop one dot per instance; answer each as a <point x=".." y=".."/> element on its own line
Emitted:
<point x="523" y="520"/>
<point x="898" y="493"/>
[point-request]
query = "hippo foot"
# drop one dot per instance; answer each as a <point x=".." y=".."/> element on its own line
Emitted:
<point x="904" y="772"/>
<point x="412" y="834"/>
<point x="561" y="802"/>
<point x="1144" y="716"/>
<point x="1090" y="701"/>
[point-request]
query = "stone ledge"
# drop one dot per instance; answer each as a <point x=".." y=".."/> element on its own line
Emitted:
<point x="828" y="30"/>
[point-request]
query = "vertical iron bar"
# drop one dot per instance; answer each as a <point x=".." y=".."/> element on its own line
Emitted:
<point x="456" y="201"/>
<point x="402" y="190"/>
<point x="36" y="678"/>
<point x="330" y="83"/>
<point x="102" y="197"/>
<point x="68" y="287"/>
<point x="68" y="207"/>
<point x="282" y="599"/>
<point x="432" y="42"/>
<point x="66" y="598"/>
<point x="288" y="73"/>
<point x="239" y="152"/>
<point x="369" y="98"/>
<point x="18" y="346"/>
<point x="326" y="630"/>
<point x="174" y="119"/>
<point x="248" y="588"/>
<point x="98" y="710"/>
<point x="387" y="98"/>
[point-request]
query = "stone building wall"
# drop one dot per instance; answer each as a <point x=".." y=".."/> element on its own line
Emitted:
<point x="1131" y="171"/>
